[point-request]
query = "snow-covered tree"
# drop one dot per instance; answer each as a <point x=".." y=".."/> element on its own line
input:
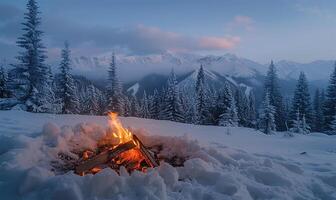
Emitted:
<point x="144" y="109"/>
<point x="252" y="116"/>
<point x="30" y="82"/>
<point x="330" y="102"/>
<point x="275" y="97"/>
<point x="266" y="119"/>
<point x="332" y="130"/>
<point x="114" y="90"/>
<point x="154" y="105"/>
<point x="318" y="112"/>
<point x="68" y="96"/>
<point x="242" y="107"/>
<point x="171" y="109"/>
<point x="201" y="108"/>
<point x="92" y="101"/>
<point x="228" y="116"/>
<point x="300" y="125"/>
<point x="301" y="100"/>
<point x="4" y="91"/>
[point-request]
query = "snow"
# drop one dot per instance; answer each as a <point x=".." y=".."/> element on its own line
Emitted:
<point x="134" y="89"/>
<point x="223" y="163"/>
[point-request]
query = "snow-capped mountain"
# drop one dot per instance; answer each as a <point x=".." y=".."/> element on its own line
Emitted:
<point x="135" y="67"/>
<point x="148" y="72"/>
<point x="316" y="70"/>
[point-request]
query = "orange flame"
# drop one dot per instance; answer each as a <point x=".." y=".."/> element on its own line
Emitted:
<point x="122" y="134"/>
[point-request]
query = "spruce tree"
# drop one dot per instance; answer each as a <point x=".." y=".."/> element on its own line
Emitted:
<point x="299" y="124"/>
<point x="332" y="130"/>
<point x="144" y="110"/>
<point x="252" y="116"/>
<point x="330" y="102"/>
<point x="267" y="121"/>
<point x="30" y="80"/>
<point x="69" y="98"/>
<point x="228" y="116"/>
<point x="171" y="102"/>
<point x="301" y="100"/>
<point x="92" y="101"/>
<point x="242" y="107"/>
<point x="275" y="97"/>
<point x="115" y="97"/>
<point x="201" y="109"/>
<point x="154" y="109"/>
<point x="318" y="113"/>
<point x="4" y="91"/>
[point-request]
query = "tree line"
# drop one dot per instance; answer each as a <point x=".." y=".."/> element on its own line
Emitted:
<point x="31" y="86"/>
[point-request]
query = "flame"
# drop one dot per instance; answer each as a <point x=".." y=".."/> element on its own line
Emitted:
<point x="131" y="159"/>
<point x="122" y="134"/>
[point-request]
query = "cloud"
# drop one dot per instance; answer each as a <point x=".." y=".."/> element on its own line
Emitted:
<point x="138" y="40"/>
<point x="241" y="21"/>
<point x="219" y="42"/>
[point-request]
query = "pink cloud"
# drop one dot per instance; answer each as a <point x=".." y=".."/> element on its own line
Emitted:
<point x="217" y="43"/>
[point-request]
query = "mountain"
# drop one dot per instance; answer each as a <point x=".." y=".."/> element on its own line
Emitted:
<point x="146" y="72"/>
<point x="315" y="71"/>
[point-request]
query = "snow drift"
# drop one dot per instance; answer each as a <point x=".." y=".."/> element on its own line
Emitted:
<point x="27" y="170"/>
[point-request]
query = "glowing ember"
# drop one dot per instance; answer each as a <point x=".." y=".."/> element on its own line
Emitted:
<point x="134" y="158"/>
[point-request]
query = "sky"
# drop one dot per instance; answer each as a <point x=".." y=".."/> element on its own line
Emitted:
<point x="260" y="30"/>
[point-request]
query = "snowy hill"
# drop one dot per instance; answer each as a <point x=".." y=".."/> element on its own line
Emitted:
<point x="222" y="163"/>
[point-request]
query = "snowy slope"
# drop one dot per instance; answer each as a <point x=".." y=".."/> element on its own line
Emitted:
<point x="234" y="163"/>
<point x="316" y="70"/>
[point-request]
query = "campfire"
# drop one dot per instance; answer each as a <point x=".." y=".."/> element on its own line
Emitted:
<point x="120" y="147"/>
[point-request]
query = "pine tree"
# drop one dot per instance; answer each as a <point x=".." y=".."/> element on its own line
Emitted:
<point x="242" y="107"/>
<point x="154" y="108"/>
<point x="4" y="91"/>
<point x="330" y="102"/>
<point x="266" y="121"/>
<point x="318" y="113"/>
<point x="252" y="116"/>
<point x="301" y="100"/>
<point x="299" y="124"/>
<point x="92" y="101"/>
<point x="272" y="88"/>
<point x="30" y="80"/>
<point x="69" y="99"/>
<point x="305" y="126"/>
<point x="171" y="105"/>
<point x="115" y="97"/>
<point x="332" y="130"/>
<point x="144" y="110"/>
<point x="201" y="109"/>
<point x="228" y="116"/>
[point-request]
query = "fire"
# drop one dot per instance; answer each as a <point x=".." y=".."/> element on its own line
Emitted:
<point x="132" y="159"/>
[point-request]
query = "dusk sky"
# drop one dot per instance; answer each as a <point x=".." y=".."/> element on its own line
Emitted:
<point x="297" y="30"/>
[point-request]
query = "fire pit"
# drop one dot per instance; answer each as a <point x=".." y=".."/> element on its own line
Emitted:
<point x="118" y="148"/>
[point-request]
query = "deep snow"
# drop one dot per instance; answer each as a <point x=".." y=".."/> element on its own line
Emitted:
<point x="224" y="163"/>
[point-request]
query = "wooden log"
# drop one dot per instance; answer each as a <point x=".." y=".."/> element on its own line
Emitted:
<point x="103" y="157"/>
<point x="148" y="156"/>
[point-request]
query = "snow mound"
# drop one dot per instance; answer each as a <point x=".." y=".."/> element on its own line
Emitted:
<point x="27" y="171"/>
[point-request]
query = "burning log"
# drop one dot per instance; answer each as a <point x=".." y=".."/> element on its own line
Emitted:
<point x="103" y="157"/>
<point x="148" y="156"/>
<point x="107" y="156"/>
<point x="129" y="152"/>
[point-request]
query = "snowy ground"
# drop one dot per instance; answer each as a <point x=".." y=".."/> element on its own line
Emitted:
<point x="234" y="163"/>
